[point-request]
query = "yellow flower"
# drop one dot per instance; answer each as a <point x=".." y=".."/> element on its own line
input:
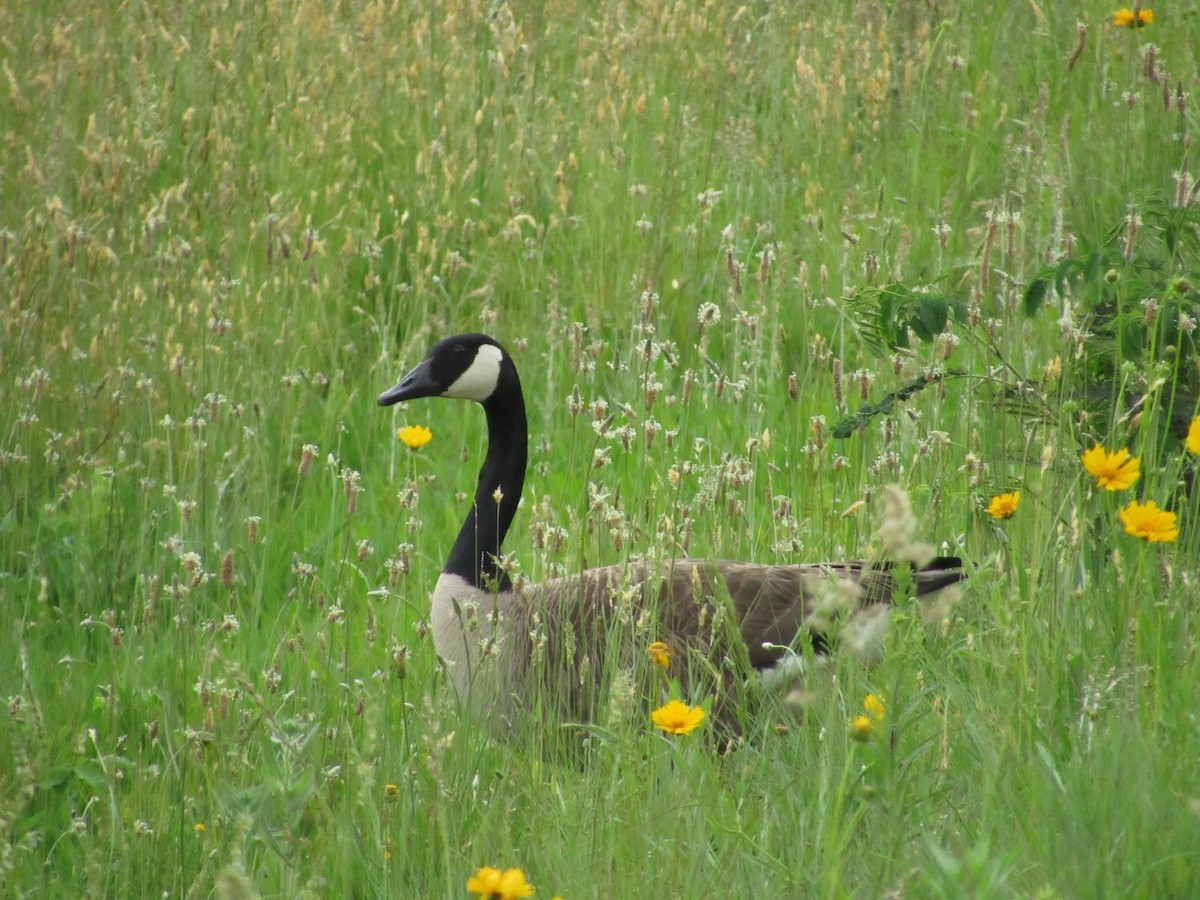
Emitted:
<point x="1124" y="18"/>
<point x="660" y="654"/>
<point x="414" y="437"/>
<point x="391" y="790"/>
<point x="874" y="705"/>
<point x="1004" y="505"/>
<point x="1147" y="521"/>
<point x="677" y="717"/>
<point x="862" y="728"/>
<point x="1113" y="471"/>
<point x="1193" y="437"/>
<point x="865" y="725"/>
<point x="201" y="828"/>
<point x="497" y="885"/>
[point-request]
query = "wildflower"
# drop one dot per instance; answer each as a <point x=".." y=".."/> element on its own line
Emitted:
<point x="1147" y="521"/>
<point x="1193" y="436"/>
<point x="200" y="828"/>
<point x="676" y="717"/>
<point x="497" y="885"/>
<point x="865" y="725"/>
<point x="1124" y="18"/>
<point x="1004" y="505"/>
<point x="1113" y="471"/>
<point x="708" y="314"/>
<point x="391" y="790"/>
<point x="414" y="437"/>
<point x="307" y="454"/>
<point x="660" y="654"/>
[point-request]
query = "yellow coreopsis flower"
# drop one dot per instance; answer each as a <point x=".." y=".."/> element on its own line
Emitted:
<point x="676" y="717"/>
<point x="1124" y="18"/>
<point x="1147" y="521"/>
<point x="862" y="728"/>
<point x="874" y="706"/>
<point x="660" y="654"/>
<point x="1113" y="471"/>
<point x="1004" y="505"/>
<point x="865" y="725"/>
<point x="1193" y="437"/>
<point x="414" y="437"/>
<point x="496" y="885"/>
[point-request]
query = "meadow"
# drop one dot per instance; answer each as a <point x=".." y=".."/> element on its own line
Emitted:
<point x="759" y="264"/>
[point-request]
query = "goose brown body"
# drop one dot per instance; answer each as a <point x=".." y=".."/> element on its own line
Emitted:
<point x="499" y="642"/>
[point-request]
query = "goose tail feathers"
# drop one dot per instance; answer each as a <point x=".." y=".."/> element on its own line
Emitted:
<point x="942" y="572"/>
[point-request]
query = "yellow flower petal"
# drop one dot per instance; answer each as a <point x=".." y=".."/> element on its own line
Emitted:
<point x="1004" y="505"/>
<point x="1113" y="471"/>
<point x="660" y="654"/>
<point x="496" y="885"/>
<point x="513" y="884"/>
<point x="484" y="881"/>
<point x="1124" y="18"/>
<point x="676" y="717"/>
<point x="867" y="723"/>
<point x="1193" y="436"/>
<point x="1148" y="522"/>
<point x="414" y="437"/>
<point x="862" y="728"/>
<point x="874" y="706"/>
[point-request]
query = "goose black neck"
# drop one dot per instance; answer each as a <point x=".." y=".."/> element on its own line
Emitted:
<point x="477" y="549"/>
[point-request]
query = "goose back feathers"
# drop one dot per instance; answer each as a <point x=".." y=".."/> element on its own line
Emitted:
<point x="716" y="616"/>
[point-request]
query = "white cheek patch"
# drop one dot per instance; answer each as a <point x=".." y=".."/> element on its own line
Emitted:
<point x="481" y="378"/>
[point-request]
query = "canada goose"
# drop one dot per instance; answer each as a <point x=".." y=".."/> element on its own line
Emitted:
<point x="485" y="631"/>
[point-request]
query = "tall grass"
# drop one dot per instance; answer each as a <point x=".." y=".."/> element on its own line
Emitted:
<point x="224" y="228"/>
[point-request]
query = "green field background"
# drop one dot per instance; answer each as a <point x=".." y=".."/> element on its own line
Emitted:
<point x="708" y="233"/>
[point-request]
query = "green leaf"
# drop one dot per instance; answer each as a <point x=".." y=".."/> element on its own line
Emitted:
<point x="56" y="777"/>
<point x="930" y="320"/>
<point x="1035" y="296"/>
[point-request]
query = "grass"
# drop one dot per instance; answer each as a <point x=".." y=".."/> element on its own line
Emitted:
<point x="225" y="228"/>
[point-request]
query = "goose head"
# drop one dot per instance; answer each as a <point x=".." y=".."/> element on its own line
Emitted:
<point x="475" y="367"/>
<point x="463" y="366"/>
